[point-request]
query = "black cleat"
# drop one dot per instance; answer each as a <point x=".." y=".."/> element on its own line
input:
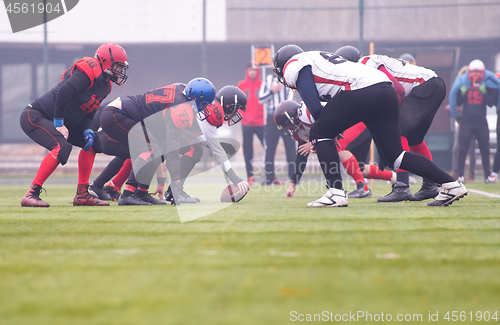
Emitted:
<point x="131" y="200"/>
<point x="400" y="192"/>
<point x="428" y="191"/>
<point x="360" y="193"/>
<point x="99" y="193"/>
<point x="146" y="197"/>
<point x="112" y="191"/>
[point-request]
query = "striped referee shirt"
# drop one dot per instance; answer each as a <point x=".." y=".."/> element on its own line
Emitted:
<point x="272" y="100"/>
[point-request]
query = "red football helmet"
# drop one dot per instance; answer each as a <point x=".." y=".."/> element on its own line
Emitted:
<point x="113" y="60"/>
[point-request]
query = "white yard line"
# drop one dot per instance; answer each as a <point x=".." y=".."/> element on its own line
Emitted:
<point x="485" y="193"/>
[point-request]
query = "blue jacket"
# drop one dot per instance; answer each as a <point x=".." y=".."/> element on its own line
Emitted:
<point x="490" y="81"/>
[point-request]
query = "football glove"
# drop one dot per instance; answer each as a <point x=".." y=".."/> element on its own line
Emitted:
<point x="89" y="139"/>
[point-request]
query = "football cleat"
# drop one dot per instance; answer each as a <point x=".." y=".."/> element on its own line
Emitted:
<point x="32" y="198"/>
<point x="333" y="197"/>
<point x="99" y="193"/>
<point x="131" y="200"/>
<point x="112" y="191"/>
<point x="83" y="197"/>
<point x="428" y="190"/>
<point x="146" y="197"/>
<point x="360" y="192"/>
<point x="400" y="192"/>
<point x="183" y="197"/>
<point x="449" y="193"/>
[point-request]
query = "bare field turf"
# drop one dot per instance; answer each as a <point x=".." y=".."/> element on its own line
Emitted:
<point x="264" y="260"/>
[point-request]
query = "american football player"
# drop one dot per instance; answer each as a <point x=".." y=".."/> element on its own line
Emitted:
<point x="354" y="93"/>
<point x="62" y="118"/>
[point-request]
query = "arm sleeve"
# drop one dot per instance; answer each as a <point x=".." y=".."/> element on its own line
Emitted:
<point x="214" y="145"/>
<point x="454" y="92"/>
<point x="308" y="91"/>
<point x="300" y="166"/>
<point x="400" y="90"/>
<point x="78" y="82"/>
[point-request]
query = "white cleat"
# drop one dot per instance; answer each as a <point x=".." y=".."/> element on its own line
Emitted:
<point x="449" y="193"/>
<point x="332" y="198"/>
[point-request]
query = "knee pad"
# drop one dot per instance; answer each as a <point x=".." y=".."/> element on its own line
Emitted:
<point x="64" y="152"/>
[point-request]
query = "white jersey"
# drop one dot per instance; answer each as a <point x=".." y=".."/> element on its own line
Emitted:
<point x="408" y="75"/>
<point x="211" y="137"/>
<point x="331" y="73"/>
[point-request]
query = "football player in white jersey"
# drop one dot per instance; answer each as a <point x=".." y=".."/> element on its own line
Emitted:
<point x="420" y="92"/>
<point x="354" y="93"/>
<point x="295" y="120"/>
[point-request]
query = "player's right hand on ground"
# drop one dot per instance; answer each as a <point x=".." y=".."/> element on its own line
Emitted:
<point x="291" y="190"/>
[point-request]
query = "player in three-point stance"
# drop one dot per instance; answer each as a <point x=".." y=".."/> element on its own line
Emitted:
<point x="150" y="125"/>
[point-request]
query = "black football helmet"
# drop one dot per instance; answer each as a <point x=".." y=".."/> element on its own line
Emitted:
<point x="281" y="58"/>
<point x="286" y="117"/>
<point x="232" y="99"/>
<point x="349" y="53"/>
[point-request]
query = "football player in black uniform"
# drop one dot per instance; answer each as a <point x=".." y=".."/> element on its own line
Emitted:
<point x="62" y="118"/>
<point x="150" y="125"/>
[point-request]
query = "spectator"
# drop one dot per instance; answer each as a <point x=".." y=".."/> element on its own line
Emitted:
<point x="475" y="89"/>
<point x="472" y="150"/>
<point x="271" y="94"/>
<point x="253" y="117"/>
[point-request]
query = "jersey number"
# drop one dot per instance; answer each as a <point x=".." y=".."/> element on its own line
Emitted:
<point x="167" y="97"/>
<point x="332" y="58"/>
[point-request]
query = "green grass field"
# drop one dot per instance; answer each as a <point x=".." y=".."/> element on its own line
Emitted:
<point x="264" y="260"/>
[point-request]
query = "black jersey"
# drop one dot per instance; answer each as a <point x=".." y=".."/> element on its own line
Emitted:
<point x="82" y="103"/>
<point x="138" y="107"/>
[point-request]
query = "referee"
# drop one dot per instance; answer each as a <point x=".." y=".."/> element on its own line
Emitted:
<point x="271" y="94"/>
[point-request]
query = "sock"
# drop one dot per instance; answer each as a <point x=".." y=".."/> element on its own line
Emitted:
<point x="406" y="147"/>
<point x="47" y="167"/>
<point x="352" y="168"/>
<point x="123" y="174"/>
<point x="329" y="162"/>
<point x="421" y="166"/>
<point x="187" y="165"/>
<point x="111" y="170"/>
<point x="422" y="149"/>
<point x="403" y="177"/>
<point x="129" y="190"/>
<point x="85" y="164"/>
<point x="376" y="173"/>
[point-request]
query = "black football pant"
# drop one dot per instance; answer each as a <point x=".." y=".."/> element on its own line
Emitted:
<point x="41" y="130"/>
<point x="273" y="136"/>
<point x="377" y="107"/>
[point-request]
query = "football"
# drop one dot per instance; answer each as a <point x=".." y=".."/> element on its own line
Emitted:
<point x="232" y="194"/>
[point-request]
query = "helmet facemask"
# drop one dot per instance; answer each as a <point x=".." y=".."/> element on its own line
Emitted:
<point x="231" y="114"/>
<point x="118" y="72"/>
<point x="291" y="126"/>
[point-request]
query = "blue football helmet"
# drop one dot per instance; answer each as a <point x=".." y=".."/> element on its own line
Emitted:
<point x="202" y="91"/>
